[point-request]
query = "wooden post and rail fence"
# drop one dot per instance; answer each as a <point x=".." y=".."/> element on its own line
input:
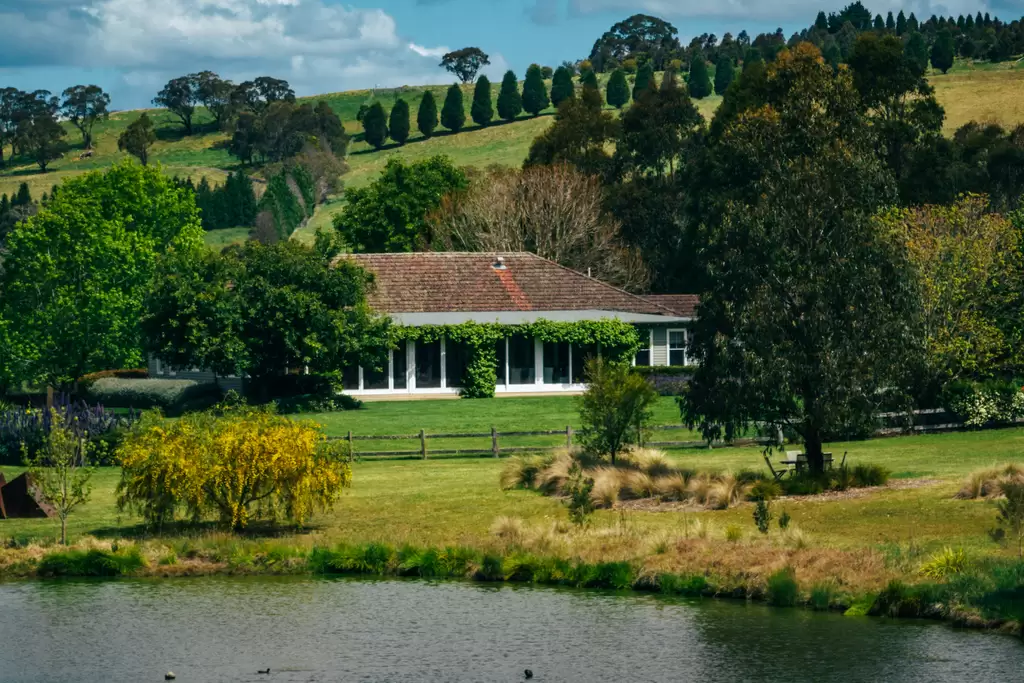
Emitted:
<point x="497" y="449"/>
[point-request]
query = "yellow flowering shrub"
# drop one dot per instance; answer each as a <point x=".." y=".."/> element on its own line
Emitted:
<point x="241" y="465"/>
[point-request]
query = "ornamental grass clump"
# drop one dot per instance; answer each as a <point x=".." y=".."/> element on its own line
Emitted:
<point x="988" y="482"/>
<point x="238" y="465"/>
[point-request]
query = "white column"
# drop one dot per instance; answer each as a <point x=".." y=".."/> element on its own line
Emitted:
<point x="538" y="361"/>
<point x="391" y="369"/>
<point x="505" y="342"/>
<point x="444" y="364"/>
<point x="360" y="378"/>
<point x="410" y="368"/>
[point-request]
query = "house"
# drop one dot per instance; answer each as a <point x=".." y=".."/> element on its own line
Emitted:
<point x="517" y="288"/>
<point x="451" y="288"/>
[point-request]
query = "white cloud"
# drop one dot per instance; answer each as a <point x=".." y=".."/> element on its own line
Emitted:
<point x="316" y="45"/>
<point x="782" y="11"/>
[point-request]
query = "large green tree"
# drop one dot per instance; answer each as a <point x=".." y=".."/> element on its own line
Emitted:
<point x="510" y="102"/>
<point x="453" y="113"/>
<point x="943" y="51"/>
<point x="579" y="136"/>
<point x="481" y="111"/>
<point x="808" y="309"/>
<point x="260" y="309"/>
<point x="375" y="126"/>
<point x="656" y="130"/>
<point x="724" y="74"/>
<point x="137" y="138"/>
<point x="562" y="87"/>
<point x="83" y="106"/>
<point x="426" y="116"/>
<point x="618" y="89"/>
<point x="76" y="273"/>
<point x="465" y="63"/>
<point x="180" y="96"/>
<point x="644" y="77"/>
<point x="698" y="81"/>
<point x="535" y="93"/>
<point x="398" y="123"/>
<point x="390" y="215"/>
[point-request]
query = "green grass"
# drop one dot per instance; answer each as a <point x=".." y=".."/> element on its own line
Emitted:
<point x="218" y="239"/>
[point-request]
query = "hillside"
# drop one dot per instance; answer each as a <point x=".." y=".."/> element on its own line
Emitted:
<point x="969" y="92"/>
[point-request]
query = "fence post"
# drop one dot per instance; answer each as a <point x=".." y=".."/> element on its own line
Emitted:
<point x="351" y="450"/>
<point x="568" y="436"/>
<point x="494" y="442"/>
<point x="423" y="444"/>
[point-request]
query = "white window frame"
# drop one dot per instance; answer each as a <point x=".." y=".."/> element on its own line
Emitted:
<point x="649" y="347"/>
<point x="669" y="348"/>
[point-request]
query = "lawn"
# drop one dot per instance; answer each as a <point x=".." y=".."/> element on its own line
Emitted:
<point x="218" y="239"/>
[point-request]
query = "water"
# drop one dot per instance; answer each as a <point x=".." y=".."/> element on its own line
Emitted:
<point x="308" y="629"/>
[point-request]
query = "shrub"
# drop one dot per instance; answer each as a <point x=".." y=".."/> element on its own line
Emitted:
<point x="23" y="431"/>
<point x="945" y="563"/>
<point x="614" y="408"/>
<point x="762" y="516"/>
<point x="782" y="589"/>
<point x="86" y="381"/>
<point x="315" y="403"/>
<point x="1011" y="513"/>
<point x="173" y="396"/>
<point x="977" y="404"/>
<point x="821" y="596"/>
<point x="726" y="491"/>
<point x="765" y="489"/>
<point x="784" y="520"/>
<point x="579" y="488"/>
<point x="987" y="483"/>
<point x="870" y="475"/>
<point x="93" y="562"/>
<point x="240" y="465"/>
<point x="733" y="533"/>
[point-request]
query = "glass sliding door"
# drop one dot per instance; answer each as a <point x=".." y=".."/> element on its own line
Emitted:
<point x="580" y="354"/>
<point x="456" y="356"/>
<point x="500" y="349"/>
<point x="556" y="363"/>
<point x="399" y="365"/>
<point x="428" y="365"/>
<point x="376" y="379"/>
<point x="350" y="378"/>
<point x="522" y="360"/>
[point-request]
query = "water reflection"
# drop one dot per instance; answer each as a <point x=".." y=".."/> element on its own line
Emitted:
<point x="225" y="629"/>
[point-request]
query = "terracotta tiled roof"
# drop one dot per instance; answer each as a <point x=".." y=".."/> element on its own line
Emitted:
<point x="683" y="305"/>
<point x="442" y="282"/>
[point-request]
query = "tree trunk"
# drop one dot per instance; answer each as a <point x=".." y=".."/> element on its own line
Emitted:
<point x="812" y="448"/>
<point x="63" y="530"/>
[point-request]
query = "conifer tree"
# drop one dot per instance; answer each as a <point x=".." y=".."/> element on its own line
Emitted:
<point x="901" y="23"/>
<point x="375" y="126"/>
<point x="535" y="93"/>
<point x="5" y="205"/>
<point x="242" y="199"/>
<point x="943" y="51"/>
<point x="426" y="117"/>
<point x="24" y="196"/>
<point x="562" y="87"/>
<point x="724" y="74"/>
<point x="890" y="23"/>
<point x="453" y="113"/>
<point x="618" y="89"/>
<point x="644" y="76"/>
<point x="481" y="111"/>
<point x="510" y="102"/>
<point x="591" y="93"/>
<point x="398" y="124"/>
<point x="879" y="24"/>
<point x="698" y="81"/>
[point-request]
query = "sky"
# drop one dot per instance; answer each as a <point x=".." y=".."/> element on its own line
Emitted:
<point x="132" y="47"/>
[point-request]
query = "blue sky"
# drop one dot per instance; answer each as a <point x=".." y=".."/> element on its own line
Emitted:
<point x="132" y="47"/>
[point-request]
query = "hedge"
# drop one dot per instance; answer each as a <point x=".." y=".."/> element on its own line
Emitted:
<point x="173" y="396"/>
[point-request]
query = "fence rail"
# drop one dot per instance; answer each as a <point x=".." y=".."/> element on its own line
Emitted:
<point x="497" y="449"/>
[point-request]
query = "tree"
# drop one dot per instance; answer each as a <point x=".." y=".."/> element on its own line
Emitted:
<point x="591" y="93"/>
<point x="562" y="87"/>
<point x="724" y="74"/>
<point x="916" y="49"/>
<point x="391" y="214"/>
<point x="553" y="211"/>
<point x="375" y="126"/>
<point x="180" y="96"/>
<point x="808" y="308"/>
<point x="84" y="105"/>
<point x="579" y="136"/>
<point x="640" y="34"/>
<point x="41" y="137"/>
<point x="240" y="465"/>
<point x="481" y="110"/>
<point x="398" y="124"/>
<point x="59" y="471"/>
<point x="510" y="102"/>
<point x="1011" y="513"/>
<point x="76" y="272"/>
<point x="890" y="23"/>
<point x="535" y="93"/>
<point x="216" y="94"/>
<point x="943" y="51"/>
<point x="465" y="63"/>
<point x="644" y="77"/>
<point x="453" y="113"/>
<point x="615" y="407"/>
<point x="259" y="309"/>
<point x="258" y="95"/>
<point x="966" y="262"/>
<point x="137" y="138"/>
<point x="901" y="23"/>
<point x="10" y="99"/>
<point x="426" y="116"/>
<point x="698" y="81"/>
<point x="618" y="89"/>
<point x="656" y="131"/>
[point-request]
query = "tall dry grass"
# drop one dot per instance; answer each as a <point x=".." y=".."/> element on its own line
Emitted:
<point x="987" y="483"/>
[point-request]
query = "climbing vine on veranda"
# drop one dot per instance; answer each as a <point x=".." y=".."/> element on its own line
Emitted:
<point x="614" y="338"/>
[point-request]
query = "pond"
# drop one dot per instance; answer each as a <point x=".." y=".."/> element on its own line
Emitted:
<point x="311" y="629"/>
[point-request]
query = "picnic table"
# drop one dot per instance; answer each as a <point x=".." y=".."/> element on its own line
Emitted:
<point x="795" y="462"/>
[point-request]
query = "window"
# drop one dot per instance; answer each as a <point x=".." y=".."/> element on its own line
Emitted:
<point x="350" y="378"/>
<point x="428" y="365"/>
<point x="677" y="347"/>
<point x="556" y="363"/>
<point x="522" y="360"/>
<point x="500" y="349"/>
<point x="399" y="365"/>
<point x="643" y="355"/>
<point x="581" y="353"/>
<point x="375" y="379"/>
<point x="456" y="355"/>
